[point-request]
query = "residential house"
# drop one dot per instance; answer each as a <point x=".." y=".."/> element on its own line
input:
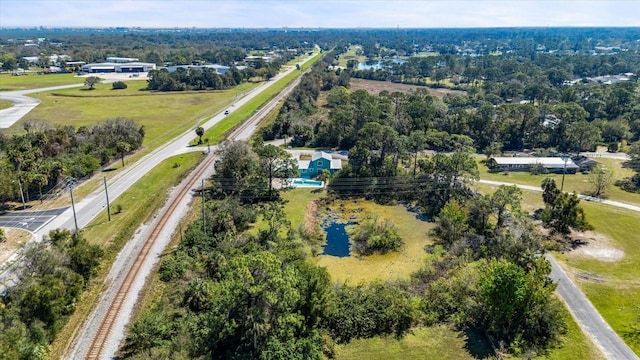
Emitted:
<point x="319" y="162"/>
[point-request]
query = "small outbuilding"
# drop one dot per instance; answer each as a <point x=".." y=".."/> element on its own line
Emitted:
<point x="547" y="164"/>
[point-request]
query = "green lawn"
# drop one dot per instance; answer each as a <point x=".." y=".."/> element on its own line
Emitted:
<point x="4" y="104"/>
<point x="578" y="183"/>
<point x="164" y="115"/>
<point x="9" y="82"/>
<point x="218" y="132"/>
<point x="350" y="55"/>
<point x="140" y="200"/>
<point x="437" y="342"/>
<point x="616" y="295"/>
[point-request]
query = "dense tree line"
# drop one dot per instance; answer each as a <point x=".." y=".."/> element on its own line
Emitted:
<point x="302" y="102"/>
<point x="237" y="294"/>
<point x="44" y="154"/>
<point x="55" y="273"/>
<point x="203" y="79"/>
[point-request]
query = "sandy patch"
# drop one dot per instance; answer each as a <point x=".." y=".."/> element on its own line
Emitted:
<point x="14" y="239"/>
<point x="595" y="246"/>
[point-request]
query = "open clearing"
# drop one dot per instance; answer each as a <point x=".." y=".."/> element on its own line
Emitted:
<point x="375" y="87"/>
<point x="14" y="239"/>
<point x="612" y="285"/>
<point x="8" y="82"/>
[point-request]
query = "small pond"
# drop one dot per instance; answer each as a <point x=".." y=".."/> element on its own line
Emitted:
<point x="338" y="243"/>
<point x="378" y="64"/>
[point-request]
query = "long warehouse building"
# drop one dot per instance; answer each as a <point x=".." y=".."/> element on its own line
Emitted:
<point x="111" y="67"/>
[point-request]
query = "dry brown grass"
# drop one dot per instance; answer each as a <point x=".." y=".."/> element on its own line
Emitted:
<point x="375" y="87"/>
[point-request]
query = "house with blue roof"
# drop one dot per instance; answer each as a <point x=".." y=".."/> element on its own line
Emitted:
<point x="319" y="162"/>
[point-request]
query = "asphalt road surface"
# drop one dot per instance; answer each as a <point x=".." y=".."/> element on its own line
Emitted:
<point x="22" y="104"/>
<point x="589" y="319"/>
<point x="29" y="220"/>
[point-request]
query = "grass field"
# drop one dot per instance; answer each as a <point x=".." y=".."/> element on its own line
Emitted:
<point x="164" y="115"/>
<point x="441" y="342"/>
<point x="218" y="132"/>
<point x="616" y="288"/>
<point x="4" y="104"/>
<point x="616" y="292"/>
<point x="350" y="55"/>
<point x="138" y="205"/>
<point x="9" y="82"/>
<point x="437" y="342"/>
<point x="578" y="183"/>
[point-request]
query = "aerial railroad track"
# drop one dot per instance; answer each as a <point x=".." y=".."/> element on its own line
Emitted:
<point x="99" y="341"/>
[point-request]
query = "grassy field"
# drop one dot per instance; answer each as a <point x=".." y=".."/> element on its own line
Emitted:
<point x="137" y="204"/>
<point x="4" y="104"/>
<point x="9" y="82"/>
<point x="350" y="55"/>
<point x="578" y="183"/>
<point x="137" y="207"/>
<point x="437" y="342"/>
<point x="218" y="132"/>
<point x="164" y="115"/>
<point x="441" y="342"/>
<point x="612" y="286"/>
<point x="355" y="269"/>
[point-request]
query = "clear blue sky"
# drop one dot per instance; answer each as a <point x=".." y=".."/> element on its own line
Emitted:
<point x="313" y="13"/>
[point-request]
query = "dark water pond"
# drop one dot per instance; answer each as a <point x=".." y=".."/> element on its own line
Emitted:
<point x="337" y="240"/>
<point x="378" y="64"/>
<point x="338" y="243"/>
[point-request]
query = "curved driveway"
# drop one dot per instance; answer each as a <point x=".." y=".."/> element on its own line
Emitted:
<point x="22" y="104"/>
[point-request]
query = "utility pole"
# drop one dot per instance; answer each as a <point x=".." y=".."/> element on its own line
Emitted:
<point x="106" y="192"/>
<point x="204" y="226"/>
<point x="73" y="205"/>
<point x="564" y="172"/>
<point x="24" y="205"/>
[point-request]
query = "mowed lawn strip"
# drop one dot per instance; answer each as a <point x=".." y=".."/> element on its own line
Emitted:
<point x="8" y="82"/>
<point x="219" y="131"/>
<point x="138" y="203"/>
<point x="436" y="342"/>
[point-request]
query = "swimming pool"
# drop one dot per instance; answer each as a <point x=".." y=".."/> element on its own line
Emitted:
<point x="300" y="182"/>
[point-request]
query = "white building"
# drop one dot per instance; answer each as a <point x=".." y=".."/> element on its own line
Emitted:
<point x="110" y="67"/>
<point x="115" y="59"/>
<point x="550" y="164"/>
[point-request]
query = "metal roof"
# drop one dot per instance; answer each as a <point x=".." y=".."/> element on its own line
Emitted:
<point x="544" y="161"/>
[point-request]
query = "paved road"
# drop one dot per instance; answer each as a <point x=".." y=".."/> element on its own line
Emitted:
<point x="584" y="197"/>
<point x="123" y="262"/>
<point x="586" y="315"/>
<point x="29" y="220"/>
<point x="22" y="104"/>
<point x="93" y="204"/>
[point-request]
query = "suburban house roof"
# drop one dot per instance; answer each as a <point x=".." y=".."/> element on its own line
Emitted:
<point x="335" y="164"/>
<point x="548" y="162"/>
